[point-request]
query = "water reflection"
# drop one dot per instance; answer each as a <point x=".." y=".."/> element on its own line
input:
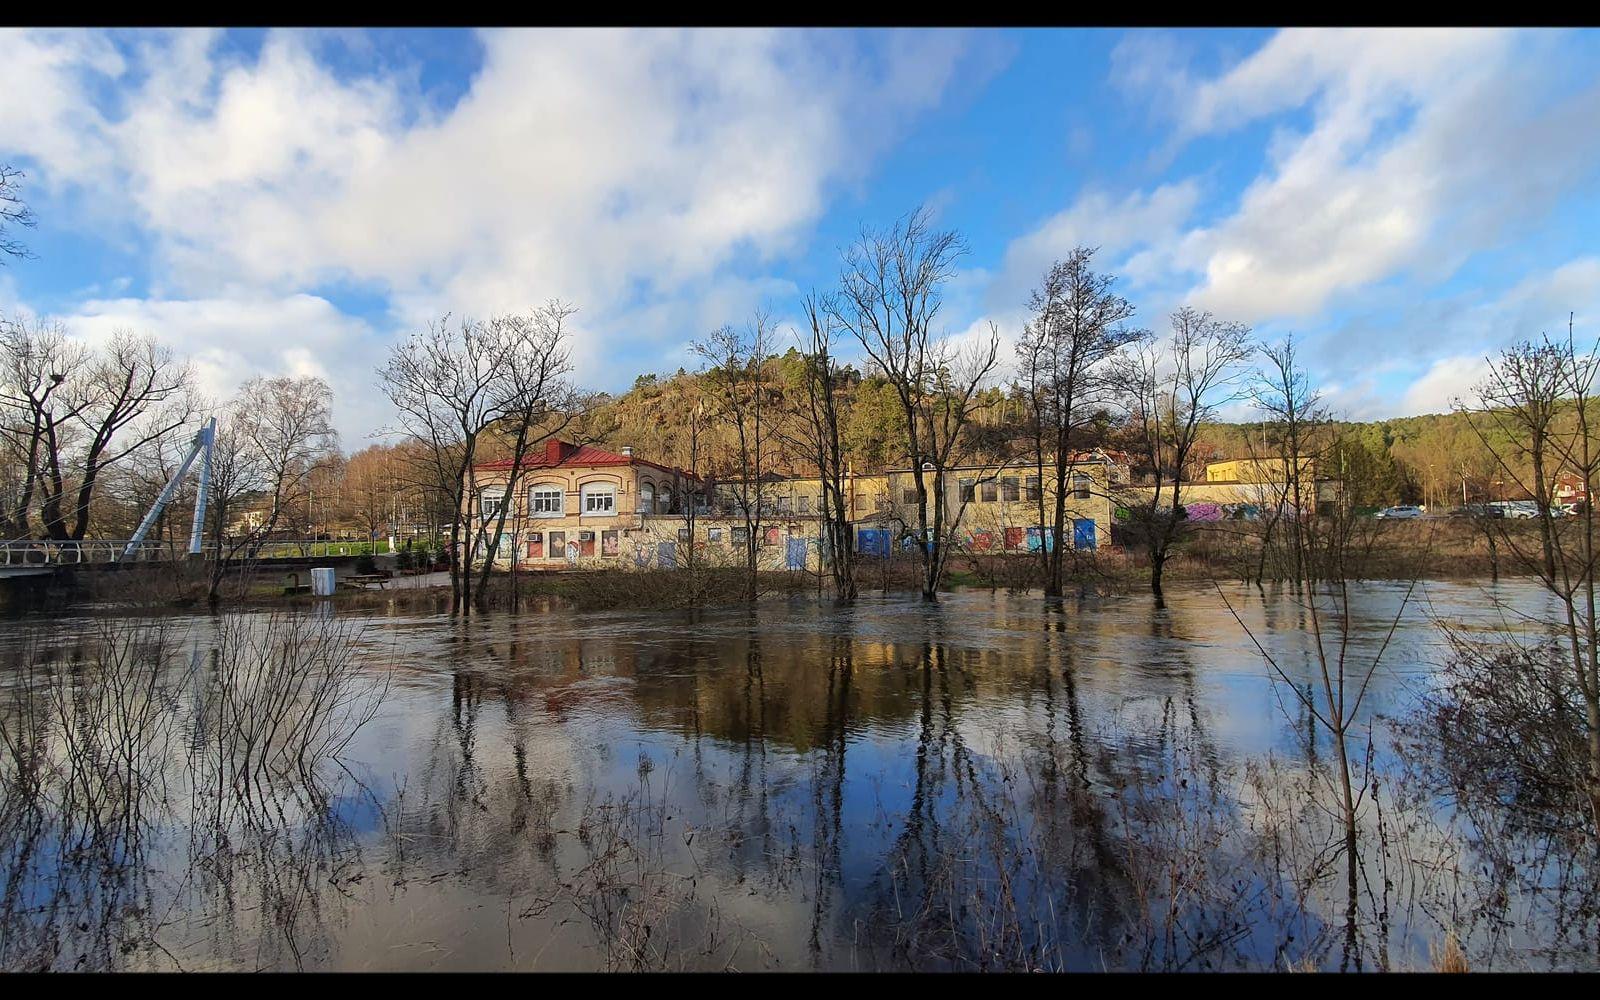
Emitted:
<point x="994" y="783"/>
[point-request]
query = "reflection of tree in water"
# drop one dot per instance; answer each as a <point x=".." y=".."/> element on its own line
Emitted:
<point x="147" y="792"/>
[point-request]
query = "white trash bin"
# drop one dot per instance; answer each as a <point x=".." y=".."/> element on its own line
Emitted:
<point x="322" y="581"/>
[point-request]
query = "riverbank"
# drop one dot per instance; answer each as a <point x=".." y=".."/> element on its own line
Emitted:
<point x="1436" y="549"/>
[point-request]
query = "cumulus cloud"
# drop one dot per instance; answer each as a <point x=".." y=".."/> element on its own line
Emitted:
<point x="619" y="170"/>
<point x="1422" y="147"/>
<point x="227" y="340"/>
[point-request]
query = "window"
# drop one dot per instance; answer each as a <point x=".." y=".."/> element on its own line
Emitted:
<point x="600" y="498"/>
<point x="909" y="496"/>
<point x="783" y="504"/>
<point x="557" y="548"/>
<point x="586" y="543"/>
<point x="741" y="537"/>
<point x="714" y="535"/>
<point x="545" y="501"/>
<point x="608" y="542"/>
<point x="772" y="538"/>
<point x="489" y="502"/>
<point x="1080" y="486"/>
<point x="1032" y="485"/>
<point x="536" y="545"/>
<point x="805" y="505"/>
<point x="968" y="491"/>
<point x="990" y="492"/>
<point x="647" y="498"/>
<point x="683" y="536"/>
<point x="1008" y="489"/>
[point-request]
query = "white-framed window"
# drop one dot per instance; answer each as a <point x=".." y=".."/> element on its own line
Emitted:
<point x="599" y="499"/>
<point x="647" y="498"/>
<point x="489" y="502"/>
<point x="1081" y="485"/>
<point x="546" y="501"/>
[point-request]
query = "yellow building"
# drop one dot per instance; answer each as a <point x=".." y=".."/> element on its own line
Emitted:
<point x="586" y="506"/>
<point x="1257" y="470"/>
<point x="996" y="507"/>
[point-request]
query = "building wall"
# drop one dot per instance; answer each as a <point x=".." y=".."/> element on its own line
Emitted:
<point x="1003" y="506"/>
<point x="634" y="536"/>
<point x="528" y="532"/>
<point x="1256" y="470"/>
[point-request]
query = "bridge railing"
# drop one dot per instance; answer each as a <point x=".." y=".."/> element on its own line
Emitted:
<point x="52" y="552"/>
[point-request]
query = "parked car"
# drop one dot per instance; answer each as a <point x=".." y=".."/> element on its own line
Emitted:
<point x="1478" y="510"/>
<point x="1399" y="513"/>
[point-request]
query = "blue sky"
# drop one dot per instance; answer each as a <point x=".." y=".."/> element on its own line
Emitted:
<point x="292" y="201"/>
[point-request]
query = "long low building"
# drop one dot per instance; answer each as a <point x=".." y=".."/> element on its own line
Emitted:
<point x="582" y="505"/>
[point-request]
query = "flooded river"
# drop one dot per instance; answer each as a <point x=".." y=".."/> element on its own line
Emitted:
<point x="991" y="782"/>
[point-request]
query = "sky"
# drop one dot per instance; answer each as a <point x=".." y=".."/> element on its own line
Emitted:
<point x="293" y="202"/>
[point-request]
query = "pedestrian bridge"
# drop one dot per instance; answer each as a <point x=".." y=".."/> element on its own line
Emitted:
<point x="42" y="556"/>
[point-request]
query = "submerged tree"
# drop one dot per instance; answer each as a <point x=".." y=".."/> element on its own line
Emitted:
<point x="825" y="381"/>
<point x="451" y="384"/>
<point x="736" y="378"/>
<point x="891" y="291"/>
<point x="1539" y="397"/>
<point x="1170" y="389"/>
<point x="1075" y="329"/>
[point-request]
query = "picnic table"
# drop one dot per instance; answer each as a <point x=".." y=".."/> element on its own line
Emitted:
<point x="362" y="579"/>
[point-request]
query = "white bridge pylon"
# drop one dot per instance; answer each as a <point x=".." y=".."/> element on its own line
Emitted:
<point x="204" y="438"/>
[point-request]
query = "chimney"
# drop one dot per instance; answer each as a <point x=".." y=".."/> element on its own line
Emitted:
<point x="554" y="451"/>
<point x="627" y="450"/>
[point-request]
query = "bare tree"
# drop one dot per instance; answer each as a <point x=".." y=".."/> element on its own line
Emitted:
<point x="14" y="213"/>
<point x="1293" y="416"/>
<point x="74" y="412"/>
<point x="821" y="439"/>
<point x="1539" y="396"/>
<point x="890" y="296"/>
<point x="538" y="399"/>
<point x="37" y="362"/>
<point x="736" y="376"/>
<point x="1170" y="389"/>
<point x="451" y="384"/>
<point x="1075" y="329"/>
<point x="270" y="440"/>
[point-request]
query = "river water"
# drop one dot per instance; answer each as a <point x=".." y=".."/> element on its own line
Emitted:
<point x="993" y="781"/>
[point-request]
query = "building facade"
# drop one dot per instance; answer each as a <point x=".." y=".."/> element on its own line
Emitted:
<point x="578" y="505"/>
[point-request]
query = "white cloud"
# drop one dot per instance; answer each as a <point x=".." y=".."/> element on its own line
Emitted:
<point x="229" y="340"/>
<point x="1447" y="381"/>
<point x="1396" y="153"/>
<point x="614" y="169"/>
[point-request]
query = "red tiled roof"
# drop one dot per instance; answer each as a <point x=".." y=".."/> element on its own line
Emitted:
<point x="562" y="454"/>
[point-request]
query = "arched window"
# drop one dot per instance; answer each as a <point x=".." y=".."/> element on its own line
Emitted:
<point x="599" y="500"/>
<point x="647" y="498"/>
